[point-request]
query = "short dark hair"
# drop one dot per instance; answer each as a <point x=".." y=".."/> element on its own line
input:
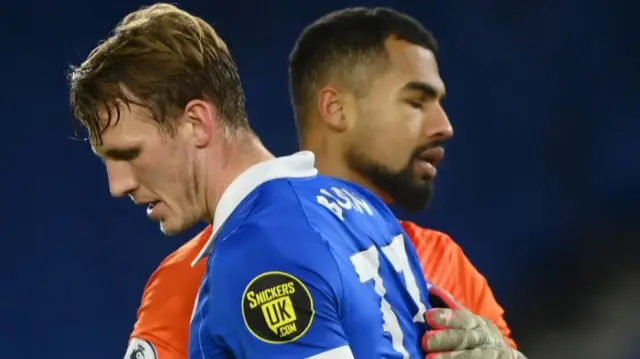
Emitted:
<point x="159" y="57"/>
<point x="336" y="43"/>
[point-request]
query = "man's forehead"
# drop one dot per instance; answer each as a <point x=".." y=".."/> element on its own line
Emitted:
<point x="119" y="110"/>
<point x="110" y="120"/>
<point x="115" y="124"/>
<point x="414" y="63"/>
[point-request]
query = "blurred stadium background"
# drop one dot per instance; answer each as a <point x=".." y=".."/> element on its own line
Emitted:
<point x="540" y="186"/>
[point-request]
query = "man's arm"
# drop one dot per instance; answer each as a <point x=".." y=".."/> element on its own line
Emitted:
<point x="476" y="294"/>
<point x="142" y="348"/>
<point x="161" y="330"/>
<point x="275" y="292"/>
<point x="445" y="265"/>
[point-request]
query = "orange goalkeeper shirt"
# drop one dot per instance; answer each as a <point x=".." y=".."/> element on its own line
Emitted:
<point x="162" y="328"/>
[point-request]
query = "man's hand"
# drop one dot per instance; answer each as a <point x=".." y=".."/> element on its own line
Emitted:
<point x="456" y="333"/>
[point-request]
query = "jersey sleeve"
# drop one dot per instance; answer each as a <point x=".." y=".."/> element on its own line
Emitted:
<point x="458" y="276"/>
<point x="161" y="330"/>
<point x="275" y="293"/>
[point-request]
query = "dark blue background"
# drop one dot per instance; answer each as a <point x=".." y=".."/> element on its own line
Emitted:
<point x="540" y="185"/>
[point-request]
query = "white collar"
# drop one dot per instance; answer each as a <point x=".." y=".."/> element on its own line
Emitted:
<point x="298" y="165"/>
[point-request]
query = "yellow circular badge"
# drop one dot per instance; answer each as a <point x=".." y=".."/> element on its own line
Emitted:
<point x="277" y="307"/>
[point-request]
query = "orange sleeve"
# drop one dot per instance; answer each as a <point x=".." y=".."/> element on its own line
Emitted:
<point x="445" y="265"/>
<point x="165" y="311"/>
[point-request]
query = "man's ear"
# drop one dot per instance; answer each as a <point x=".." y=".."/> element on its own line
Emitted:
<point x="203" y="119"/>
<point x="331" y="108"/>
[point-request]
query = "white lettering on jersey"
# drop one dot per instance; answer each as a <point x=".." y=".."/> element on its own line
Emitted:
<point x="339" y="200"/>
<point x="367" y="265"/>
<point x="331" y="206"/>
<point x="397" y="255"/>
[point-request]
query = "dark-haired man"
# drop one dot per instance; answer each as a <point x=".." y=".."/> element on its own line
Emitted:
<point x="367" y="93"/>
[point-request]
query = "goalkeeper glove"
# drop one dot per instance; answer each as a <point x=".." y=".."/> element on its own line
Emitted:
<point x="456" y="333"/>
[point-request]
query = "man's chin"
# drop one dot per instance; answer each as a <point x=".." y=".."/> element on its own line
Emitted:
<point x="414" y="199"/>
<point x="168" y="230"/>
<point x="176" y="225"/>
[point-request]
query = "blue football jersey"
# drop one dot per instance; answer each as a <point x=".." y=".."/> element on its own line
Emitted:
<point x="306" y="266"/>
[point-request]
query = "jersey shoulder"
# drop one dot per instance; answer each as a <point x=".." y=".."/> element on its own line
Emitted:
<point x="168" y="297"/>
<point x="446" y="265"/>
<point x="443" y="262"/>
<point x="275" y="216"/>
<point x="347" y="203"/>
<point x="187" y="251"/>
<point x="440" y="246"/>
<point x="179" y="261"/>
<point x="268" y="218"/>
<point x="310" y="199"/>
<point x="287" y="276"/>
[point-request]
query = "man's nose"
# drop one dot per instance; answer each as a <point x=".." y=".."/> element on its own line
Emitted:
<point x="439" y="127"/>
<point x="121" y="179"/>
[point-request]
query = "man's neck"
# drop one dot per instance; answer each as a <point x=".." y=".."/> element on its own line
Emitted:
<point x="237" y="155"/>
<point x="330" y="161"/>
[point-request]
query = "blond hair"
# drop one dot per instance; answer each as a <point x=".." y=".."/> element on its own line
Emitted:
<point x="159" y="57"/>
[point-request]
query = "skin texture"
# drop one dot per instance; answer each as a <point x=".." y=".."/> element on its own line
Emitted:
<point x="390" y="138"/>
<point x="182" y="171"/>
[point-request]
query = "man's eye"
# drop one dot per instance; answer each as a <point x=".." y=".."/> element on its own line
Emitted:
<point x="129" y="155"/>
<point x="415" y="104"/>
<point x="123" y="155"/>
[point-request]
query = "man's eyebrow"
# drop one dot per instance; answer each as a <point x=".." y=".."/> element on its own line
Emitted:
<point x="118" y="153"/>
<point x="424" y="88"/>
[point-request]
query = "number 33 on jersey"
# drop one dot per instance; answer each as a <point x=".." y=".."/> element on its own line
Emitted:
<point x="310" y="267"/>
